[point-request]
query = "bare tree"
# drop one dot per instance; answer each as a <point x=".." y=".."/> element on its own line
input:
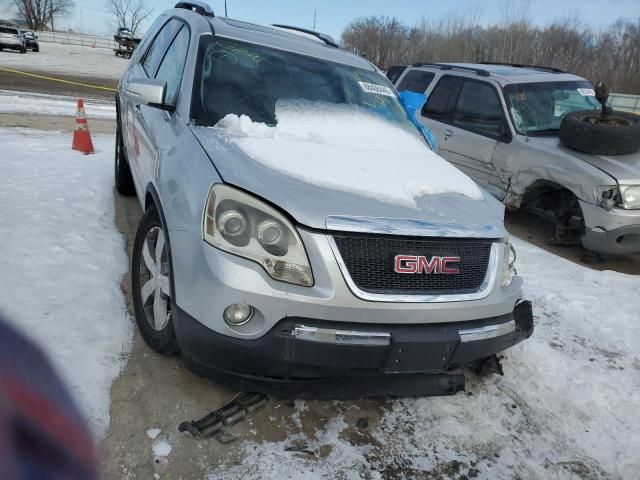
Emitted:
<point x="38" y="13"/>
<point x="611" y="54"/>
<point x="129" y="13"/>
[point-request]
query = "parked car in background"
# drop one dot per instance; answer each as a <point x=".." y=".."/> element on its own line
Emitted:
<point x="282" y="248"/>
<point x="31" y="40"/>
<point x="532" y="137"/>
<point x="11" y="39"/>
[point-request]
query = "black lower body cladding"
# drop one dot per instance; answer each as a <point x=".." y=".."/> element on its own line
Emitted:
<point x="419" y="360"/>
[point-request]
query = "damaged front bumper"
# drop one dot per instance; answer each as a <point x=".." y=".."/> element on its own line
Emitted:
<point x="303" y="357"/>
<point x="611" y="232"/>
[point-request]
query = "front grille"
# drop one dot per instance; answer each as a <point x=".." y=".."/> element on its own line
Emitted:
<point x="370" y="262"/>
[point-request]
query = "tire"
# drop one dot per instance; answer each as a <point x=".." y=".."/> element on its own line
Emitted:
<point x="36" y="49"/>
<point x="23" y="50"/>
<point x="151" y="274"/>
<point x="123" y="176"/>
<point x="620" y="135"/>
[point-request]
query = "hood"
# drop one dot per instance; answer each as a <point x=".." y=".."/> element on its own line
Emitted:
<point x="321" y="162"/>
<point x="625" y="169"/>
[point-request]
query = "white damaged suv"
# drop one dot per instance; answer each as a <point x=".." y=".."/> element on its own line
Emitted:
<point x="299" y="234"/>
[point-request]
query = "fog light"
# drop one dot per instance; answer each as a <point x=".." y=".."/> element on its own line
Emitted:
<point x="238" y="314"/>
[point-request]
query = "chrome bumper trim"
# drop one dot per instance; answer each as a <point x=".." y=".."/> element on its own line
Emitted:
<point x="412" y="228"/>
<point x="485" y="333"/>
<point x="341" y="337"/>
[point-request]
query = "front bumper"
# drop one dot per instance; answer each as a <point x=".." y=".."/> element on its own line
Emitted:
<point x="615" y="232"/>
<point x="416" y="359"/>
<point x="207" y="280"/>
<point x="11" y="43"/>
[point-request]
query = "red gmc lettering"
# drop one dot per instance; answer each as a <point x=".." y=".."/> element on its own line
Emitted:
<point x="414" y="264"/>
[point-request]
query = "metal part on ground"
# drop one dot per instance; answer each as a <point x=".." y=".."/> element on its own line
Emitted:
<point x="240" y="407"/>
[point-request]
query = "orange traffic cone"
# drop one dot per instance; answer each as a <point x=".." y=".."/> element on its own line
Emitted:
<point x="81" y="136"/>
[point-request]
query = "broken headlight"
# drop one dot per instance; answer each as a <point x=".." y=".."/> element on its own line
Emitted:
<point x="508" y="263"/>
<point x="239" y="223"/>
<point x="630" y="196"/>
<point x="608" y="196"/>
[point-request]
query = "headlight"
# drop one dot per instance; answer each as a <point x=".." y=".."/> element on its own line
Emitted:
<point x="630" y="196"/>
<point x="508" y="263"/>
<point x="239" y="223"/>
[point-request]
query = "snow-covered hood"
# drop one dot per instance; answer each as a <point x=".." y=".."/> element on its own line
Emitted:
<point x="322" y="161"/>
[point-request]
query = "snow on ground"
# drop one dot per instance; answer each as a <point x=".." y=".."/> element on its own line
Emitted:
<point x="44" y="104"/>
<point x="67" y="60"/>
<point x="62" y="260"/>
<point x="162" y="449"/>
<point x="567" y="407"/>
<point x="313" y="141"/>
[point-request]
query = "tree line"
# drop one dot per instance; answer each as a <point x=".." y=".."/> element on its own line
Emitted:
<point x="611" y="54"/>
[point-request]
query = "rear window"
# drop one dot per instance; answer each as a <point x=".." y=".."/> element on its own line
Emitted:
<point x="416" y="81"/>
<point x="13" y="31"/>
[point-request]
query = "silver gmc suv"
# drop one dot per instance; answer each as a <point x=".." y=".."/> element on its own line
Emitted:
<point x="529" y="135"/>
<point x="299" y="235"/>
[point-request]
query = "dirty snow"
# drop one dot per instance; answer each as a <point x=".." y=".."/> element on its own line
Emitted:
<point x="152" y="433"/>
<point x="67" y="60"/>
<point x="346" y="149"/>
<point x="62" y="260"/>
<point x="565" y="409"/>
<point x="162" y="449"/>
<point x="44" y="104"/>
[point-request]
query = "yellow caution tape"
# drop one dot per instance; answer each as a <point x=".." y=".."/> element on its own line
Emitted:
<point x="59" y="80"/>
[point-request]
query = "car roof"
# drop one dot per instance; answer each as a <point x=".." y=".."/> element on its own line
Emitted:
<point x="505" y="74"/>
<point x="277" y="37"/>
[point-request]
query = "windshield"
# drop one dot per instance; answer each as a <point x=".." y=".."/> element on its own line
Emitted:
<point x="246" y="79"/>
<point x="538" y="108"/>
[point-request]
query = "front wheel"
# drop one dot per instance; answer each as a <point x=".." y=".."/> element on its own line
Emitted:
<point x="151" y="284"/>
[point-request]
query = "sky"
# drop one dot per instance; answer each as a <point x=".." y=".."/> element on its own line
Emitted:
<point x="91" y="16"/>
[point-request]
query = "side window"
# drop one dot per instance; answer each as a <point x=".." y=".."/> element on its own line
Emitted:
<point x="159" y="46"/>
<point x="394" y="73"/>
<point x="442" y="94"/>
<point x="479" y="110"/>
<point x="416" y="81"/>
<point x="172" y="65"/>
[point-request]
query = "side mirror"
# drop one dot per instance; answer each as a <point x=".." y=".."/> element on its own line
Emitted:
<point x="149" y="92"/>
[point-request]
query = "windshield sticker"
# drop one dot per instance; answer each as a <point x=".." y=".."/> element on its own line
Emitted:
<point x="587" y="92"/>
<point x="376" y="89"/>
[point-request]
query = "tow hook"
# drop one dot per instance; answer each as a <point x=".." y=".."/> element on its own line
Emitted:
<point x="239" y="408"/>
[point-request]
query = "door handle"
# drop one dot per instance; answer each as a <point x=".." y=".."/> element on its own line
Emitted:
<point x="448" y="133"/>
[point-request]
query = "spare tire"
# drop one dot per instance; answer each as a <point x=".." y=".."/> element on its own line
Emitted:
<point x="588" y="131"/>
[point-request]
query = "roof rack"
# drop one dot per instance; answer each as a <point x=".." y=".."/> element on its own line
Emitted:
<point x="522" y="65"/>
<point x="446" y="66"/>
<point x="322" y="36"/>
<point x="199" y="7"/>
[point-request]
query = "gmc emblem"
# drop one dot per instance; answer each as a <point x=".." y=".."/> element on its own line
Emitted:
<point x="413" y="264"/>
